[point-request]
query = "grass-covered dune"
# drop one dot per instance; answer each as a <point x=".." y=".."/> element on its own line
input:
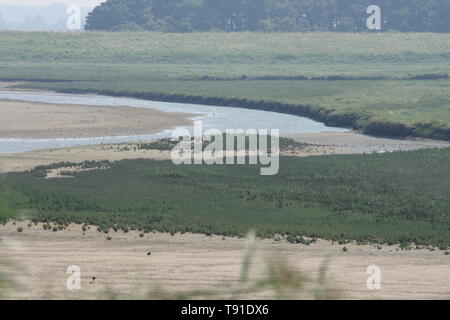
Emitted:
<point x="384" y="198"/>
<point x="228" y="54"/>
<point x="383" y="84"/>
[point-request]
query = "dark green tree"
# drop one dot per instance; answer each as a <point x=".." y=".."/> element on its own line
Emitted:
<point x="268" y="15"/>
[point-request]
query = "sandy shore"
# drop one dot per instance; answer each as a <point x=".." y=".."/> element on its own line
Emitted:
<point x="321" y="144"/>
<point x="39" y="120"/>
<point x="38" y="261"/>
<point x="357" y="143"/>
<point x="28" y="160"/>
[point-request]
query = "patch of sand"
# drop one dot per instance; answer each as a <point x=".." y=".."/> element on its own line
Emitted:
<point x="28" y="160"/>
<point x="39" y="260"/>
<point x="39" y="120"/>
<point x="357" y="143"/>
<point x="67" y="172"/>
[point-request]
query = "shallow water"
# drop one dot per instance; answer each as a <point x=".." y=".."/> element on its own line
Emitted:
<point x="221" y="118"/>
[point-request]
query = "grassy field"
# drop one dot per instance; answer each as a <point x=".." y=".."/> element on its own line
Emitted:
<point x="382" y="84"/>
<point x="158" y="55"/>
<point x="390" y="198"/>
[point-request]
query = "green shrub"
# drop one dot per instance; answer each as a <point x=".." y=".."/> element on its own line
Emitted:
<point x="391" y="198"/>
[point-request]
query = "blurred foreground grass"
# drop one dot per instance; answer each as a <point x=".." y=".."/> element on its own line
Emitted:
<point x="272" y="278"/>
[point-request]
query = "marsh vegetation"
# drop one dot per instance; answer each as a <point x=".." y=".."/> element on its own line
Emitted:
<point x="399" y="197"/>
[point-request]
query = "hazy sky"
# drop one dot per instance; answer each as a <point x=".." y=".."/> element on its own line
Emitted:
<point x="89" y="3"/>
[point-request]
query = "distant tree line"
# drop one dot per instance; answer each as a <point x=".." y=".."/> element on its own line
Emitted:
<point x="269" y="15"/>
